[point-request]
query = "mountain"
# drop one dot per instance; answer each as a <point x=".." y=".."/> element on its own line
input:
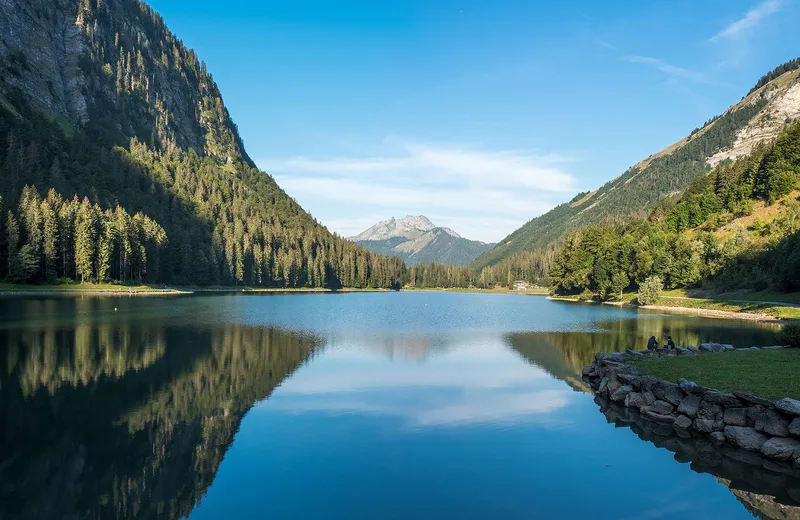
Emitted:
<point x="417" y="241"/>
<point x="757" y="118"/>
<point x="120" y="162"/>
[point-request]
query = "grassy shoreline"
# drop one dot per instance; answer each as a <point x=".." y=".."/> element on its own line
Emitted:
<point x="766" y="373"/>
<point x="763" y="306"/>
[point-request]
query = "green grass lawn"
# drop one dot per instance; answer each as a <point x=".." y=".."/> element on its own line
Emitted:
<point x="768" y="373"/>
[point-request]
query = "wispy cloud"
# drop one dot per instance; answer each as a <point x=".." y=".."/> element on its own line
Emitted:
<point x="752" y="18"/>
<point x="449" y="184"/>
<point x="670" y="70"/>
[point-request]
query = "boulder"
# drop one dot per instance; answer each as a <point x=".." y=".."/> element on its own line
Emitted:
<point x="653" y="416"/>
<point x="683" y="351"/>
<point x="619" y="395"/>
<point x="690" y="348"/>
<point x="626" y="378"/>
<point x="682" y="422"/>
<point x="687" y="386"/>
<point x="587" y="371"/>
<point x="634" y="400"/>
<point x="781" y="449"/>
<point x="772" y="422"/>
<point x="603" y="388"/>
<point x="717" y="437"/>
<point x="649" y="398"/>
<point x="788" y="406"/>
<point x="745" y="437"/>
<point x="794" y="428"/>
<point x="735" y="416"/>
<point x="774" y="347"/>
<point x="662" y="407"/>
<point x="721" y="398"/>
<point x="714" y="347"/>
<point x="708" y="425"/>
<point x="644" y="383"/>
<point x="634" y="353"/>
<point x="669" y="392"/>
<point x="690" y="406"/>
<point x="753" y="399"/>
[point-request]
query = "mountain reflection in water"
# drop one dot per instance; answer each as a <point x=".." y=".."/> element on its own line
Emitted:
<point x="124" y="408"/>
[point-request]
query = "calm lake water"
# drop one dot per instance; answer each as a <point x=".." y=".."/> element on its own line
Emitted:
<point x="361" y="405"/>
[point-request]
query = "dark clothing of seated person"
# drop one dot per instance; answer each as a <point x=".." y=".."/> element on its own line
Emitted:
<point x="652" y="344"/>
<point x="670" y="343"/>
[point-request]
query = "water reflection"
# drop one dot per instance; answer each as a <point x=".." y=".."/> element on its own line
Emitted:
<point x="125" y="408"/>
<point x="769" y="489"/>
<point x="119" y="418"/>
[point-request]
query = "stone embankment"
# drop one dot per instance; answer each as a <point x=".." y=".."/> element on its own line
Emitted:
<point x="740" y="419"/>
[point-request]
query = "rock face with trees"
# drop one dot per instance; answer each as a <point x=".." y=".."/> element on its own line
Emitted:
<point x="100" y="101"/>
<point x="748" y="422"/>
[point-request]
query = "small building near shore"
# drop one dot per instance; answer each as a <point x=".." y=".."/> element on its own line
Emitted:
<point x="520" y="285"/>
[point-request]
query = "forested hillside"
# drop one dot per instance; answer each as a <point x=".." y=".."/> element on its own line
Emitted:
<point x="736" y="228"/>
<point x="99" y="101"/>
<point x="634" y="192"/>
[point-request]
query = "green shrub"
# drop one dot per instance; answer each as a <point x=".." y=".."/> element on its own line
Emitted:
<point x="790" y="334"/>
<point x="650" y="291"/>
<point x="586" y="295"/>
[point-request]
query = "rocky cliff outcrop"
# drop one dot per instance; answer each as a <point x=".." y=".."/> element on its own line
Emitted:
<point x="115" y="63"/>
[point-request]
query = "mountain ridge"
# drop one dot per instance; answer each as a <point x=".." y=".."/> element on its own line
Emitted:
<point x="416" y="240"/>
<point x="757" y="118"/>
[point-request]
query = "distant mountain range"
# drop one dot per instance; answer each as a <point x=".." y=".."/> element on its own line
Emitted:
<point x="417" y="241"/>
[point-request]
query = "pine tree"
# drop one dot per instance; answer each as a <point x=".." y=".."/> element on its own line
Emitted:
<point x="85" y="236"/>
<point x="12" y="245"/>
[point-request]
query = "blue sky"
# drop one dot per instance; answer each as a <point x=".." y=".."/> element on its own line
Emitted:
<point x="480" y="115"/>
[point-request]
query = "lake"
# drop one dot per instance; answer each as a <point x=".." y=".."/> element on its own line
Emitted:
<point x="356" y="405"/>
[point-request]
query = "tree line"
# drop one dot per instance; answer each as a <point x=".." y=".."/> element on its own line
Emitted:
<point x="52" y="239"/>
<point x="701" y="237"/>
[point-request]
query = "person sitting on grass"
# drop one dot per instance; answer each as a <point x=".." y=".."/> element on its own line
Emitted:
<point x="670" y="343"/>
<point x="652" y="344"/>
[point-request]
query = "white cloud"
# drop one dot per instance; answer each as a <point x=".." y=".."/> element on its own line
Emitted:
<point x="752" y="18"/>
<point x="483" y="195"/>
<point x="668" y="69"/>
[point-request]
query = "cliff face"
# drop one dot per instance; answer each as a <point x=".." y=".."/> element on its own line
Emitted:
<point x="114" y="62"/>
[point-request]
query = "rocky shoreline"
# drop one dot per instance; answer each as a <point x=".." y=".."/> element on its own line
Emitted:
<point x="750" y="423"/>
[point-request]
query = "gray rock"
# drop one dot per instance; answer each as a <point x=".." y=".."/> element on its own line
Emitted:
<point x="794" y="428"/>
<point x="690" y="406"/>
<point x="587" y="371"/>
<point x="653" y="416"/>
<point x="649" y="398"/>
<point x="723" y="399"/>
<point x="717" y="437"/>
<point x="626" y="378"/>
<point x="708" y="425"/>
<point x="735" y="417"/>
<point x="774" y="347"/>
<point x="781" y="449"/>
<point x="682" y="351"/>
<point x="753" y="399"/>
<point x="645" y="383"/>
<point x="614" y="384"/>
<point x="745" y="437"/>
<point x="682" y="422"/>
<point x="713" y="347"/>
<point x="687" y="386"/>
<point x="635" y="400"/>
<point x="788" y="406"/>
<point x="619" y="395"/>
<point x="662" y="407"/>
<point x="772" y="422"/>
<point x="669" y="392"/>
<point x="603" y="388"/>
<point x="693" y="349"/>
<point x="634" y="353"/>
